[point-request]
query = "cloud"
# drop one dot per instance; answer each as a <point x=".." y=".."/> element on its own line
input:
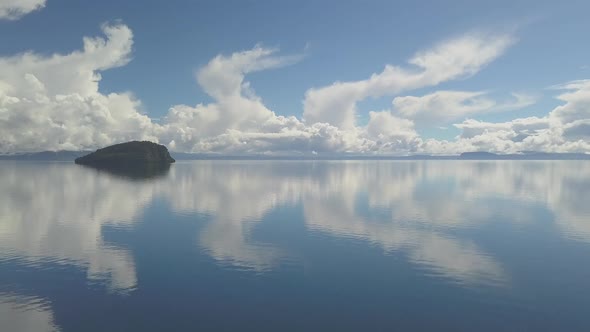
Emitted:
<point x="441" y="107"/>
<point x="238" y="121"/>
<point x="391" y="133"/>
<point x="15" y="9"/>
<point x="453" y="59"/>
<point x="564" y="129"/>
<point x="53" y="102"/>
<point x="236" y="109"/>
<point x="223" y="76"/>
<point x="577" y="130"/>
<point x="577" y="102"/>
<point x="506" y="137"/>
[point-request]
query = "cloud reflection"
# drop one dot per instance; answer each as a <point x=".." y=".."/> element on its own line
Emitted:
<point x="59" y="215"/>
<point x="236" y="195"/>
<point x="424" y="204"/>
<point x="24" y="315"/>
<point x="415" y="208"/>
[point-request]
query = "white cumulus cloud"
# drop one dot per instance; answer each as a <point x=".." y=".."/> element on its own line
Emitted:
<point x="53" y="102"/>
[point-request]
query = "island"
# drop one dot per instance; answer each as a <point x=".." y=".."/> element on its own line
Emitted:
<point x="136" y="159"/>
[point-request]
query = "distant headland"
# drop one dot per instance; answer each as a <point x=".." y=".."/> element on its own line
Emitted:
<point x="127" y="154"/>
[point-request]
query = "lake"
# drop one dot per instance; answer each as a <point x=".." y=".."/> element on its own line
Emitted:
<point x="441" y="245"/>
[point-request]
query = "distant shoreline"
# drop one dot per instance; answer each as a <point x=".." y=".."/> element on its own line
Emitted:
<point x="71" y="155"/>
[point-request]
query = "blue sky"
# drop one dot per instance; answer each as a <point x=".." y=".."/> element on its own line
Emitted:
<point x="328" y="42"/>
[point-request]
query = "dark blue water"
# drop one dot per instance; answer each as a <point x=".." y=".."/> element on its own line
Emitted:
<point x="297" y="246"/>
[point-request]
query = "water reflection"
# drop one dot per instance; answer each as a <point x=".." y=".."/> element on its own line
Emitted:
<point x="58" y="212"/>
<point x="236" y="195"/>
<point x="424" y="211"/>
<point x="411" y="206"/>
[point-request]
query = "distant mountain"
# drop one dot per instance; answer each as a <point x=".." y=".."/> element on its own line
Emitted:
<point x="529" y="155"/>
<point x="463" y="156"/>
<point x="45" y="155"/>
<point x="478" y="155"/>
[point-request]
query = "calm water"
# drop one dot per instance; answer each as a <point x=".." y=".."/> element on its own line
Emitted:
<point x="297" y="246"/>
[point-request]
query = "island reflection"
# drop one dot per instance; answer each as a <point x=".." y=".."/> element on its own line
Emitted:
<point x="139" y="172"/>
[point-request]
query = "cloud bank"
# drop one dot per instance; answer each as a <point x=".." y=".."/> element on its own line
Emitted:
<point x="55" y="103"/>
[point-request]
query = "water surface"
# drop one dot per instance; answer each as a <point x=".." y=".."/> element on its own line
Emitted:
<point x="297" y="246"/>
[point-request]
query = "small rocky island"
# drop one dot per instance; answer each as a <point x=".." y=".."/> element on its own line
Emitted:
<point x="132" y="159"/>
<point x="130" y="153"/>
